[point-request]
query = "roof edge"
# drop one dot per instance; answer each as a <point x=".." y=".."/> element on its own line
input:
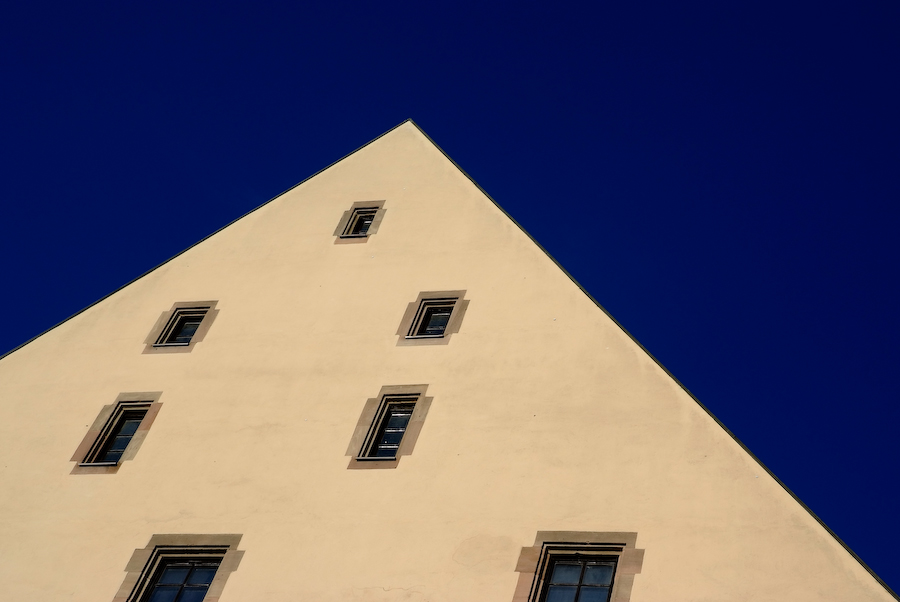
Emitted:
<point x="666" y="370"/>
<point x="180" y="253"/>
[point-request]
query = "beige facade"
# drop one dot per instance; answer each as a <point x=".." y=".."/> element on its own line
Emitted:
<point x="546" y="422"/>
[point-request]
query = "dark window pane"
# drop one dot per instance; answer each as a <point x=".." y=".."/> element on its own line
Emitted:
<point x="435" y="320"/>
<point x="174" y="575"/>
<point x="398" y="420"/>
<point x="392" y="438"/>
<point x="185" y="329"/>
<point x="361" y="222"/>
<point x="565" y="573"/>
<point x="593" y="594"/>
<point x="120" y="443"/>
<point x="121" y="436"/>
<point x="165" y="593"/>
<point x="130" y="426"/>
<point x="561" y="593"/>
<point x="598" y="574"/>
<point x="193" y="594"/>
<point x="202" y="575"/>
<point x="383" y="452"/>
<point x="110" y="457"/>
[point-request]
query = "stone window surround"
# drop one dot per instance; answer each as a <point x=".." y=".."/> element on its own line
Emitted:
<point x="406" y="323"/>
<point x="345" y="220"/>
<point x="107" y="413"/>
<point x="208" y="319"/>
<point x="144" y="562"/>
<point x="621" y="544"/>
<point x="368" y="415"/>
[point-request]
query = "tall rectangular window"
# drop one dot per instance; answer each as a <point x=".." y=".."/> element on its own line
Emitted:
<point x="111" y="439"/>
<point x="120" y="436"/>
<point x="389" y="427"/>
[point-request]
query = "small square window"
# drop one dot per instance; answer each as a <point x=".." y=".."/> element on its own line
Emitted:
<point x="181" y="328"/>
<point x="389" y="426"/>
<point x="117" y="433"/>
<point x="359" y="223"/>
<point x="432" y="318"/>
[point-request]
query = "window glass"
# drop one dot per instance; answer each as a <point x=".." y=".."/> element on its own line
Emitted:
<point x="121" y="435"/>
<point x="391" y="431"/>
<point x="580" y="580"/>
<point x="183" y="580"/>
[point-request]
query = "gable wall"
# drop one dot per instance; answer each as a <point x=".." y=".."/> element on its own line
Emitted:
<point x="546" y="416"/>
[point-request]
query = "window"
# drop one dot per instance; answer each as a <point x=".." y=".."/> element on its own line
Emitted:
<point x="117" y="433"/>
<point x="580" y="578"/>
<point x="180" y="568"/>
<point x="183" y="580"/>
<point x="111" y="447"/>
<point x="182" y="327"/>
<point x="432" y="318"/>
<point x="389" y="426"/>
<point x="359" y="223"/>
<point x="578" y="566"/>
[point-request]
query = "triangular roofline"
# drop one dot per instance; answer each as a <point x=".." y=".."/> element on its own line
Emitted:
<point x="553" y="259"/>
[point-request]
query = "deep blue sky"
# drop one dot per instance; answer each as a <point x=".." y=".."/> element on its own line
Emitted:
<point x="723" y="178"/>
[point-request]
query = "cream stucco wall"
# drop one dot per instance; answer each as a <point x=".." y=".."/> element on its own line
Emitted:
<point x="546" y="416"/>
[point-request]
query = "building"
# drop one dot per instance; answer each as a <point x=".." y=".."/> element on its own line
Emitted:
<point x="377" y="387"/>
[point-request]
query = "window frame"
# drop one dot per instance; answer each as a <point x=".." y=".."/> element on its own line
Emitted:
<point x="342" y="232"/>
<point x="582" y="556"/>
<point x="413" y="318"/>
<point x="536" y="563"/>
<point x="156" y="341"/>
<point x="111" y="431"/>
<point x="372" y="419"/>
<point x="146" y="564"/>
<point x="103" y="428"/>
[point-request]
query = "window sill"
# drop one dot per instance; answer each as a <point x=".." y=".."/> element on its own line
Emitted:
<point x="376" y="459"/>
